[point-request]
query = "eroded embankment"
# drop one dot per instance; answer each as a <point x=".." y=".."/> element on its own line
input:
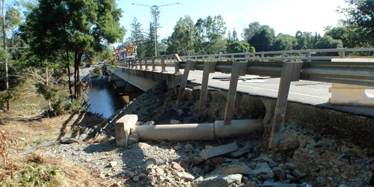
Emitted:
<point x="314" y="148"/>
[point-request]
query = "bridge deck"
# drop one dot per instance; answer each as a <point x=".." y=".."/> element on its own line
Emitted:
<point x="306" y="92"/>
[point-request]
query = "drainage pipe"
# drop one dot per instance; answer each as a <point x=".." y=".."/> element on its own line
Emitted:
<point x="184" y="132"/>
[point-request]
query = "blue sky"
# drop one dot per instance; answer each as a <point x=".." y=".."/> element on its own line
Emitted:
<point x="285" y="16"/>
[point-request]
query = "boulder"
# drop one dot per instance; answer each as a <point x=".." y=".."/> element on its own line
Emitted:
<point x="217" y="180"/>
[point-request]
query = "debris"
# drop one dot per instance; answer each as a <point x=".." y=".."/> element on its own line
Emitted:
<point x="237" y="169"/>
<point x="217" y="151"/>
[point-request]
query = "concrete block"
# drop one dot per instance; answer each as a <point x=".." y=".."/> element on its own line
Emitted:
<point x="237" y="169"/>
<point x="217" y="151"/>
<point x="346" y="94"/>
<point x="122" y="128"/>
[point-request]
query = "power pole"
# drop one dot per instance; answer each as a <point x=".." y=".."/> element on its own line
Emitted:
<point x="155" y="12"/>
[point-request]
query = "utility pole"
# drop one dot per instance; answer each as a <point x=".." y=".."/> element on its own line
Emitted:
<point x="155" y="13"/>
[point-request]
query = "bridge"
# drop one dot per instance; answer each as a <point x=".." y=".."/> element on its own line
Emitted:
<point x="302" y="76"/>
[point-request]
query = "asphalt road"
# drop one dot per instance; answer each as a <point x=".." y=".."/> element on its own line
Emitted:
<point x="306" y="92"/>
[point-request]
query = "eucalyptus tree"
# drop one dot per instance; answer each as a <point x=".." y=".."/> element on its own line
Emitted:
<point x="183" y="38"/>
<point x="137" y="36"/>
<point x="210" y="34"/>
<point x="149" y="49"/>
<point x="73" y="26"/>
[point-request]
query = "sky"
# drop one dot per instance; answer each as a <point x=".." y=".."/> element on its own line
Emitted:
<point x="285" y="16"/>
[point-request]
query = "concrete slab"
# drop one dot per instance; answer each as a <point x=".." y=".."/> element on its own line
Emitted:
<point x="217" y="151"/>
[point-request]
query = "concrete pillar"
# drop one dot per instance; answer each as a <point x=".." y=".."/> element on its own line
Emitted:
<point x="123" y="127"/>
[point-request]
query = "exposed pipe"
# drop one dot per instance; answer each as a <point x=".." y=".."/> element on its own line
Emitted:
<point x="183" y="132"/>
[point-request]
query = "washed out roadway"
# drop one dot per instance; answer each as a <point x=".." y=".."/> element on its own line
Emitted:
<point x="306" y="92"/>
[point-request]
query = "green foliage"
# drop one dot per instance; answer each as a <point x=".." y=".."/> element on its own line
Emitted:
<point x="263" y="40"/>
<point x="253" y="29"/>
<point x="72" y="26"/>
<point x="113" y="62"/>
<point x="240" y="47"/>
<point x="36" y="175"/>
<point x="183" y="38"/>
<point x="137" y="36"/>
<point x="97" y="74"/>
<point x="74" y="106"/>
<point x="210" y="35"/>
<point x="4" y="97"/>
<point x="284" y="42"/>
<point x="106" y="54"/>
<point x="149" y="42"/>
<point x="46" y="91"/>
<point x="359" y="23"/>
<point x="3" y="54"/>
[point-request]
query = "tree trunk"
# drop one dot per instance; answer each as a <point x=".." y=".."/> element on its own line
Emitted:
<point x="6" y="60"/>
<point x="75" y="75"/>
<point x="46" y="83"/>
<point x="68" y="59"/>
<point x="79" y="85"/>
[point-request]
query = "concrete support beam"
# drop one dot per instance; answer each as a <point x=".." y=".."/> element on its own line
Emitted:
<point x="178" y="132"/>
<point x="122" y="128"/>
<point x="188" y="132"/>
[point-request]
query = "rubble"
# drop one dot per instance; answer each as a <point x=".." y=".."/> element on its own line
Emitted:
<point x="217" y="151"/>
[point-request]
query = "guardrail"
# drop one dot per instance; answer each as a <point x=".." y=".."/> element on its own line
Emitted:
<point x="289" y="65"/>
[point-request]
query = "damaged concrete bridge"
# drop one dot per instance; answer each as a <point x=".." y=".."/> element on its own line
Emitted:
<point x="328" y="89"/>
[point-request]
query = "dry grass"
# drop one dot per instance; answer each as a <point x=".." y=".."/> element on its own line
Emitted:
<point x="36" y="169"/>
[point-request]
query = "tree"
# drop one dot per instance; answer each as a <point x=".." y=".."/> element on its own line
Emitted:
<point x="240" y="47"/>
<point x="359" y="17"/>
<point x="58" y="26"/>
<point x="327" y="42"/>
<point x="210" y="34"/>
<point x="339" y="33"/>
<point x="137" y="36"/>
<point x="183" y="38"/>
<point x="149" y="42"/>
<point x="253" y="29"/>
<point x="262" y="41"/>
<point x="284" y="42"/>
<point x="229" y="37"/>
<point x="235" y="35"/>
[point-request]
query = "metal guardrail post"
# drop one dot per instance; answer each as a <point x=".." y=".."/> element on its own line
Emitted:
<point x="342" y="54"/>
<point x="140" y="64"/>
<point x="262" y="56"/>
<point x="153" y="64"/>
<point x="146" y="64"/>
<point x="189" y="66"/>
<point x="238" y="68"/>
<point x="163" y="58"/>
<point x="209" y="67"/>
<point x="309" y="54"/>
<point x="290" y="72"/>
